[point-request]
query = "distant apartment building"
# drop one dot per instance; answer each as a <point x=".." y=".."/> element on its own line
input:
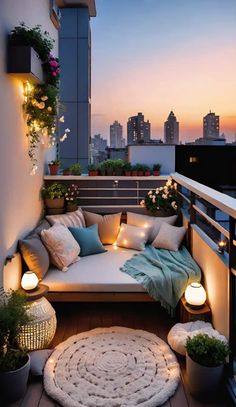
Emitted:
<point x="116" y="135"/>
<point x="171" y="130"/>
<point x="211" y="126"/>
<point x="98" y="146"/>
<point x="138" y="131"/>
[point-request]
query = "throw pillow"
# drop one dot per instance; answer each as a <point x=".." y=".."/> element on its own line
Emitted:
<point x="132" y="237"/>
<point x="75" y="219"/>
<point x="38" y="359"/>
<point x="169" y="237"/>
<point x="108" y="225"/>
<point x="153" y="222"/>
<point x="34" y="252"/>
<point x="88" y="240"/>
<point x="61" y="245"/>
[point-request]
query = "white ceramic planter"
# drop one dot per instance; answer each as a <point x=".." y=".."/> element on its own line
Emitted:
<point x="203" y="379"/>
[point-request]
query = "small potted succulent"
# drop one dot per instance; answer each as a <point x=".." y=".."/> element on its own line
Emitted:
<point x="14" y="361"/>
<point x="140" y="169"/>
<point x="134" y="171"/>
<point x="146" y="170"/>
<point x="54" y="166"/>
<point x="156" y="169"/>
<point x="205" y="359"/>
<point x="54" y="198"/>
<point x="71" y="198"/>
<point x="118" y="166"/>
<point x="92" y="170"/>
<point x="67" y="171"/>
<point x="75" y="169"/>
<point x="127" y="169"/>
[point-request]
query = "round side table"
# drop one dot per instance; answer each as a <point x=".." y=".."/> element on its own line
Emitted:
<point x="40" y="331"/>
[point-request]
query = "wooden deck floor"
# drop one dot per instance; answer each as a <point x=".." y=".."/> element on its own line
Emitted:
<point x="78" y="317"/>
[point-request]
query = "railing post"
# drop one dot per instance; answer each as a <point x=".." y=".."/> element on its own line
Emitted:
<point x="192" y="214"/>
<point x="232" y="293"/>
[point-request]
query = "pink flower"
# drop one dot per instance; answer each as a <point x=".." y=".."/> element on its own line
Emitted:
<point x="54" y="74"/>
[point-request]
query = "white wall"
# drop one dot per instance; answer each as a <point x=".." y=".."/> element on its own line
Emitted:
<point x="152" y="154"/>
<point x="20" y="204"/>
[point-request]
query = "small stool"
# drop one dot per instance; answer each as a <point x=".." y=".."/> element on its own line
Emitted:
<point x="188" y="314"/>
<point x="40" y="331"/>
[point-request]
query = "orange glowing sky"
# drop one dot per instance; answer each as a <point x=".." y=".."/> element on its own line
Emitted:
<point x="179" y="57"/>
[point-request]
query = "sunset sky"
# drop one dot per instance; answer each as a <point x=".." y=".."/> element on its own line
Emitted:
<point x="153" y="56"/>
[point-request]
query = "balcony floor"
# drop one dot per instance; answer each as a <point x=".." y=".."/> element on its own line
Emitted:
<point x="78" y="317"/>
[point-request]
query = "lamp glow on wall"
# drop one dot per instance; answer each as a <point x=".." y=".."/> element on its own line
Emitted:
<point x="195" y="295"/>
<point x="29" y="281"/>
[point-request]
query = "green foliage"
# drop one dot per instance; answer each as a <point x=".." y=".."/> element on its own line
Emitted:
<point x="75" y="169"/>
<point x="55" y="162"/>
<point x="119" y="163"/>
<point x="53" y="191"/>
<point x="141" y="167"/>
<point x="127" y="167"/>
<point x="35" y="37"/>
<point x="156" y="167"/>
<point x="13" y="314"/>
<point x="207" y="350"/>
<point x="92" y="167"/>
<point x="107" y="164"/>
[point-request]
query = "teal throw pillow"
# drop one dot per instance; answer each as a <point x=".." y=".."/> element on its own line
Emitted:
<point x="88" y="240"/>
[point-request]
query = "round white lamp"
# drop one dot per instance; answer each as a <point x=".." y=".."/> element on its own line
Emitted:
<point x="195" y="295"/>
<point x="29" y="281"/>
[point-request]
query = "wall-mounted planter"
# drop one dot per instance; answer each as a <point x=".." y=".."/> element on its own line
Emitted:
<point x="23" y="62"/>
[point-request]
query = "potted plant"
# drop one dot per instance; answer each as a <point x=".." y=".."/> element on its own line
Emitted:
<point x="162" y="201"/>
<point x="109" y="166"/>
<point x="54" y="198"/>
<point x="54" y="167"/>
<point x="67" y="171"/>
<point x="134" y="171"/>
<point x="102" y="168"/>
<point x="71" y="198"/>
<point x="127" y="169"/>
<point x="156" y="169"/>
<point x="14" y="361"/>
<point x="140" y="169"/>
<point x="146" y="170"/>
<point x="92" y="170"/>
<point x="205" y="359"/>
<point x="75" y="169"/>
<point x="118" y="166"/>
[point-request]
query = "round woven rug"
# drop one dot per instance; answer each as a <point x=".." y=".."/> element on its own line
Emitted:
<point x="112" y="367"/>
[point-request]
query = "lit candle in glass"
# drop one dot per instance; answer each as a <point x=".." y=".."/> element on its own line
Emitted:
<point x="29" y="281"/>
<point x="221" y="246"/>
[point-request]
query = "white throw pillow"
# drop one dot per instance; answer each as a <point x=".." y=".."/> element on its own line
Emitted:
<point x="169" y="237"/>
<point x="61" y="245"/>
<point x="153" y="222"/>
<point x="132" y="237"/>
<point x="74" y="219"/>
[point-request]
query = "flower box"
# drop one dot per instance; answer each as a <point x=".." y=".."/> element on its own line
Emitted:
<point x="24" y="63"/>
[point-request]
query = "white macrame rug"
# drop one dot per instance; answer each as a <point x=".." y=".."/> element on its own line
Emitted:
<point x="112" y="367"/>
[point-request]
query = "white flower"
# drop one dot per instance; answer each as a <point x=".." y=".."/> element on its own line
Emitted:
<point x="44" y="98"/>
<point x="175" y="185"/>
<point x="161" y="189"/>
<point x="157" y="192"/>
<point x="62" y="119"/>
<point x="169" y="182"/>
<point x="174" y="206"/>
<point x="164" y="196"/>
<point x="142" y="203"/>
<point x="150" y="193"/>
<point x="153" y="199"/>
<point x="67" y="130"/>
<point x="41" y="105"/>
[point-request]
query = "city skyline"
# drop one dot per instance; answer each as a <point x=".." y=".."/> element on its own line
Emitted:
<point x="180" y="57"/>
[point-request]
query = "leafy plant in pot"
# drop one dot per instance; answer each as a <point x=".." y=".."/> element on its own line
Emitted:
<point x="156" y="169"/>
<point x="54" y="167"/>
<point x="92" y="170"/>
<point x="67" y="171"/>
<point x="118" y="166"/>
<point x="109" y="167"/>
<point x="205" y="359"/>
<point x="14" y="361"/>
<point x="71" y="198"/>
<point x="54" y="198"/>
<point x="127" y="169"/>
<point x="75" y="169"/>
<point x="146" y="170"/>
<point x="134" y="171"/>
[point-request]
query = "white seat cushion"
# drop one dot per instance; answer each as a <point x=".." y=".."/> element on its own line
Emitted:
<point x="95" y="273"/>
<point x="179" y="332"/>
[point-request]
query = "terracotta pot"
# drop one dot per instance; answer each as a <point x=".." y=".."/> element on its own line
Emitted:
<point x="156" y="173"/>
<point x="57" y="203"/>
<point x="128" y="173"/>
<point x="14" y="383"/>
<point x="53" y="169"/>
<point x="71" y="207"/>
<point x="66" y="172"/>
<point x="93" y="173"/>
<point x="140" y="173"/>
<point x="147" y="173"/>
<point x="134" y="173"/>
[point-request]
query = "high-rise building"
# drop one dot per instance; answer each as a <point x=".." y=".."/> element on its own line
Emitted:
<point x="211" y="125"/>
<point x="116" y="133"/>
<point x="171" y="130"/>
<point x="98" y="147"/>
<point x="138" y="131"/>
<point x="75" y="80"/>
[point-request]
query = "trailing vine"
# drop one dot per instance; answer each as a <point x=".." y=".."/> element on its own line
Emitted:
<point x="41" y="101"/>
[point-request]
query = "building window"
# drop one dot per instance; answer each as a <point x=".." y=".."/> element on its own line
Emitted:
<point x="193" y="159"/>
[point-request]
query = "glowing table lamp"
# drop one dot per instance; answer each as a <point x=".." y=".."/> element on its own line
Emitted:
<point x="29" y="281"/>
<point x="195" y="295"/>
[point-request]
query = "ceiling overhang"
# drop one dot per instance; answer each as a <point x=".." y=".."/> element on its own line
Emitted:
<point x="76" y="3"/>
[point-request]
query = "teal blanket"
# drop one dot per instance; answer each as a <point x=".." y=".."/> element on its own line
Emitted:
<point x="164" y="274"/>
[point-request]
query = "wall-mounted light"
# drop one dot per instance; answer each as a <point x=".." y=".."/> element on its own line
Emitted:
<point x="29" y="281"/>
<point x="221" y="246"/>
<point x="195" y="295"/>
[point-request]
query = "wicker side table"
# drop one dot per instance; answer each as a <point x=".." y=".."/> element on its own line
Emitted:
<point x="40" y="331"/>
